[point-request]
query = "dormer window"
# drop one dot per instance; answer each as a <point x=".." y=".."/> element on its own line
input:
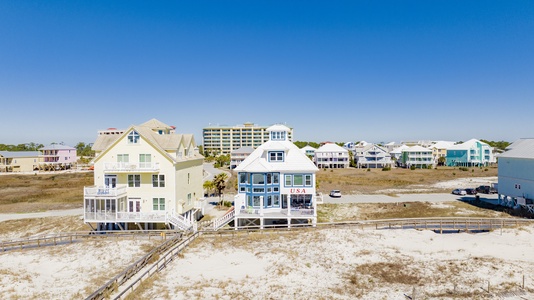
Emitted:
<point x="133" y="137"/>
<point x="276" y="156"/>
<point x="278" y="135"/>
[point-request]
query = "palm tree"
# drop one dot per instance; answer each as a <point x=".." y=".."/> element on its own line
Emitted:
<point x="208" y="186"/>
<point x="220" y="183"/>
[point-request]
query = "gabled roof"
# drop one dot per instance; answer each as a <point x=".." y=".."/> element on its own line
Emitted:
<point x="371" y="146"/>
<point x="307" y="147"/>
<point x="331" y="147"/>
<point x="443" y="144"/>
<point x="16" y="154"/>
<point x="399" y="150"/>
<point x="523" y="148"/>
<point x="416" y="149"/>
<point x="467" y="145"/>
<point x="162" y="142"/>
<point x="294" y="161"/>
<point x="155" y="124"/>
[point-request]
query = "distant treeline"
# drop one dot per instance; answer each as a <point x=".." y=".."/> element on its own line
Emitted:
<point x="82" y="149"/>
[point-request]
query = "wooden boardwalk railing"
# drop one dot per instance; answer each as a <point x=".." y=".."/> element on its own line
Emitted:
<point x="71" y="237"/>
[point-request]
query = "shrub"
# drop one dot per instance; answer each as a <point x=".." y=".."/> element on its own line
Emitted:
<point x="412" y="167"/>
<point x="386" y="168"/>
<point x="453" y="173"/>
<point x="368" y="169"/>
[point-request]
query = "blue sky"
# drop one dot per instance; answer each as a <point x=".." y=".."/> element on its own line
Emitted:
<point x="333" y="70"/>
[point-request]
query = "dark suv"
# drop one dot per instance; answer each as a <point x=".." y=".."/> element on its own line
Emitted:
<point x="471" y="191"/>
<point x="486" y="189"/>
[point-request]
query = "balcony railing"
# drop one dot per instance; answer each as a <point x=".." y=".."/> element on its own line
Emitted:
<point x="131" y="167"/>
<point x="125" y="216"/>
<point x="102" y="191"/>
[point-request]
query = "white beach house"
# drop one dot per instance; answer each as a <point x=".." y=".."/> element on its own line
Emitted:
<point x="276" y="184"/>
<point x="146" y="177"/>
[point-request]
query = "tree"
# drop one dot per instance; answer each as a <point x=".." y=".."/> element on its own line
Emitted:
<point x="208" y="186"/>
<point x="442" y="160"/>
<point x="219" y="181"/>
<point x="222" y="160"/>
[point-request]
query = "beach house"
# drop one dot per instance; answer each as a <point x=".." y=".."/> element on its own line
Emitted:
<point x="57" y="157"/>
<point x="146" y="177"/>
<point x="516" y="178"/>
<point x="472" y="153"/>
<point x="331" y="156"/>
<point x="276" y="184"/>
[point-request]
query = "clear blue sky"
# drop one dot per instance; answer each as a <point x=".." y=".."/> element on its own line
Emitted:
<point x="334" y="70"/>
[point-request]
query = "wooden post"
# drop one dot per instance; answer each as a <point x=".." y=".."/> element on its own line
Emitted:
<point x="523" y="286"/>
<point x="413" y="293"/>
<point x="441" y="226"/>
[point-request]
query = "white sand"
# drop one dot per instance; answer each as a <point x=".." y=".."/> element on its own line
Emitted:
<point x="319" y="264"/>
<point x="70" y="271"/>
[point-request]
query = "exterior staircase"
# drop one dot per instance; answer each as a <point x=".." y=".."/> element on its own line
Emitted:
<point x="227" y="218"/>
<point x="179" y="222"/>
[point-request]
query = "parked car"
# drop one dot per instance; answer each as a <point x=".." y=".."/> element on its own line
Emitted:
<point x="471" y="191"/>
<point x="459" y="192"/>
<point x="486" y="189"/>
<point x="335" y="193"/>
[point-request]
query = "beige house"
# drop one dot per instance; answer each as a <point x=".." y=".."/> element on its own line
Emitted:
<point x="146" y="177"/>
<point x="19" y="161"/>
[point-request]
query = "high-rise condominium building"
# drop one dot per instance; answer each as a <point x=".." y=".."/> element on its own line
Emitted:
<point x="223" y="139"/>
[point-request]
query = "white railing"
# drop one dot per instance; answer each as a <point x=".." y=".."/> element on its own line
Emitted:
<point x="125" y="216"/>
<point x="128" y="166"/>
<point x="179" y="221"/>
<point x="227" y="218"/>
<point x="104" y="191"/>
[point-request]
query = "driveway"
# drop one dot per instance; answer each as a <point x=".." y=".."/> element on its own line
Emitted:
<point x="210" y="171"/>
<point x="407" y="198"/>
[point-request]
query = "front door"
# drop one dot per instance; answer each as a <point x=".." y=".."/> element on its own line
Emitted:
<point x="110" y="181"/>
<point x="134" y="205"/>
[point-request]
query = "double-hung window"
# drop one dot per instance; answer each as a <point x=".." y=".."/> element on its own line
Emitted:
<point x="307" y="180"/>
<point x="158" y="180"/>
<point x="288" y="180"/>
<point x="145" y="160"/>
<point x="134" y="180"/>
<point x="158" y="203"/>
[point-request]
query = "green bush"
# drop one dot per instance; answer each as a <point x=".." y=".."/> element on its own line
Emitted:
<point x="386" y="168"/>
<point x="412" y="167"/>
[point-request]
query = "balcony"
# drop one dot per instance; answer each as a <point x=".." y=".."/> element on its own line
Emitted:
<point x="102" y="191"/>
<point x="116" y="167"/>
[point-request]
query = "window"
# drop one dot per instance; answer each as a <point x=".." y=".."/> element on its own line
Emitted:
<point x="276" y="178"/>
<point x="158" y="203"/>
<point x="258" y="179"/>
<point x="144" y="160"/>
<point x="133" y="137"/>
<point x="188" y="178"/>
<point x="276" y="156"/>
<point x="258" y="190"/>
<point x="134" y="180"/>
<point x="189" y="199"/>
<point x="307" y="180"/>
<point x="123" y="157"/>
<point x="297" y="180"/>
<point x="158" y="180"/>
<point x="243" y="178"/>
<point x="289" y="180"/>
<point x="278" y="135"/>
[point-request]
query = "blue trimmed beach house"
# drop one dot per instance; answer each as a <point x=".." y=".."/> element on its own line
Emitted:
<point x="276" y="184"/>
